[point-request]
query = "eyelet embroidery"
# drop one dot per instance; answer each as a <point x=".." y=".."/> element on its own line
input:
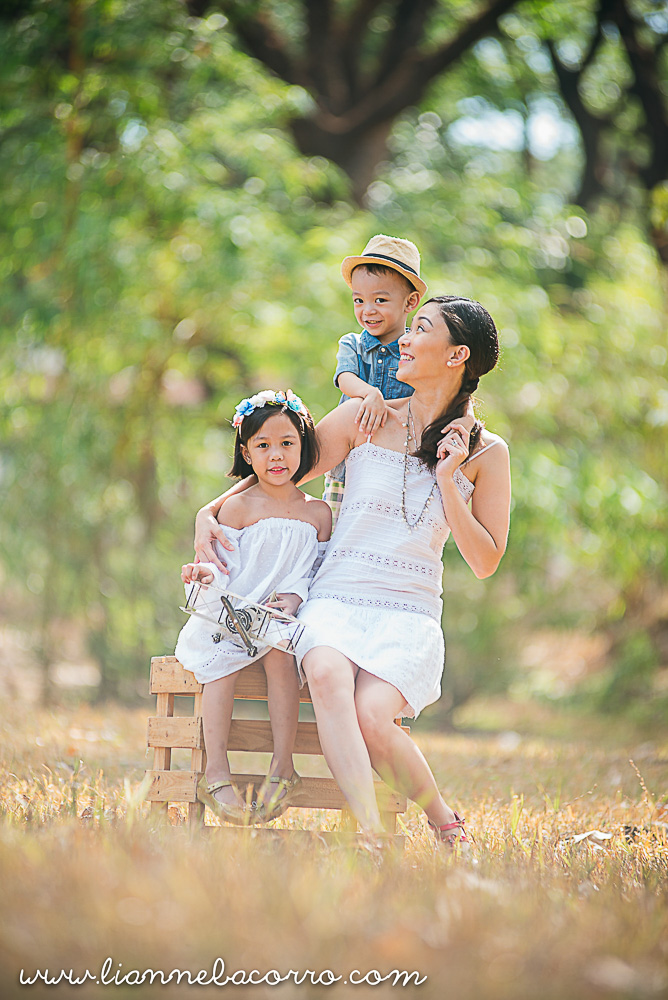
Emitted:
<point x="385" y="562"/>
<point x="370" y="602"/>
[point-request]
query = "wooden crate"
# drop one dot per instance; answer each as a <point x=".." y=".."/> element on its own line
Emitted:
<point x="167" y="732"/>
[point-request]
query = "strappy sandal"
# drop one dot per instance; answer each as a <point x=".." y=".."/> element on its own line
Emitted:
<point x="280" y="798"/>
<point x="451" y="834"/>
<point x="238" y="813"/>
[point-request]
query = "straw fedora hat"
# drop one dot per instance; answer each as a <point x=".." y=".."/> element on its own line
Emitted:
<point x="401" y="255"/>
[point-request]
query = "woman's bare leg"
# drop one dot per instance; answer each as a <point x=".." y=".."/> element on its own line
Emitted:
<point x="331" y="681"/>
<point x="283" y="702"/>
<point x="217" y="705"/>
<point x="393" y="754"/>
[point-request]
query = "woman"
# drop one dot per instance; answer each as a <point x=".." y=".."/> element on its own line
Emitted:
<point x="373" y="648"/>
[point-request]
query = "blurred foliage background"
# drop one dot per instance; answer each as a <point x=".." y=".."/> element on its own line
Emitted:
<point x="179" y="185"/>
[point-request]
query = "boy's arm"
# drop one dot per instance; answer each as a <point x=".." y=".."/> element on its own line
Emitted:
<point x="372" y="413"/>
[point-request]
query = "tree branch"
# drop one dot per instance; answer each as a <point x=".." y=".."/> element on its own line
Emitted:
<point x="349" y="40"/>
<point x="590" y="125"/>
<point x="412" y="76"/>
<point x="647" y="88"/>
<point x="263" y="43"/>
<point x="410" y="20"/>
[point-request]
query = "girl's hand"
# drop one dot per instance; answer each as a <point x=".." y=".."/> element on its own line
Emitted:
<point x="196" y="573"/>
<point x="289" y="603"/>
<point x="207" y="529"/>
<point x="372" y="413"/>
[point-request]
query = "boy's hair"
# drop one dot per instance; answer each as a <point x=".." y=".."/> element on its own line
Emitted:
<point x="381" y="270"/>
<point x="252" y="423"/>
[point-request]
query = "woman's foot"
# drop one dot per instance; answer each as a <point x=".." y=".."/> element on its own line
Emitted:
<point x="452" y="834"/>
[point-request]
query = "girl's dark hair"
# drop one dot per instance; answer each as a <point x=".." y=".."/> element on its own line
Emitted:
<point x="469" y="323"/>
<point x="251" y="425"/>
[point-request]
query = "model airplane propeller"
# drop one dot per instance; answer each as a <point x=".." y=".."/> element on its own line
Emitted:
<point x="245" y="623"/>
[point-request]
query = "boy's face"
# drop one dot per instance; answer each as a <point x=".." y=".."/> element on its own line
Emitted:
<point x="381" y="303"/>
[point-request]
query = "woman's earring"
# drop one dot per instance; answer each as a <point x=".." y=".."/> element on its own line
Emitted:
<point x="449" y="364"/>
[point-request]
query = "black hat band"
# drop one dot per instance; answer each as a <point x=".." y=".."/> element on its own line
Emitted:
<point x="393" y="260"/>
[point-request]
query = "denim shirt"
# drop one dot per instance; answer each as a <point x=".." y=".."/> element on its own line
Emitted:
<point x="373" y="362"/>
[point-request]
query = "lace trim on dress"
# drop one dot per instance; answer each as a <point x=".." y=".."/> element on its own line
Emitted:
<point x="393" y="510"/>
<point x="463" y="483"/>
<point x="292" y="521"/>
<point x="386" y="562"/>
<point x="388" y="454"/>
<point x="377" y="602"/>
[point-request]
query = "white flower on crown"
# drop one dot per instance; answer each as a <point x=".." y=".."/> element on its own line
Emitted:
<point x="266" y="396"/>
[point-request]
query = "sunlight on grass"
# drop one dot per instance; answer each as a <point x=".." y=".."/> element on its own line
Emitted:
<point x="563" y="895"/>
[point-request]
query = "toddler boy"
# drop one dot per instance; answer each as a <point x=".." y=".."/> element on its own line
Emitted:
<point x="386" y="286"/>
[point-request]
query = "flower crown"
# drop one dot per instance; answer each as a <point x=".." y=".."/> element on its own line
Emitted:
<point x="268" y="396"/>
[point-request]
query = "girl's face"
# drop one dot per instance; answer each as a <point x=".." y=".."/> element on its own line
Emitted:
<point x="274" y="451"/>
<point x="427" y="348"/>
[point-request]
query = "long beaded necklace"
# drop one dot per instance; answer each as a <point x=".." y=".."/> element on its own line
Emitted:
<point x="415" y="524"/>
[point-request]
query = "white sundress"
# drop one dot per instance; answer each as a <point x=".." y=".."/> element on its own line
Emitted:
<point x="377" y="595"/>
<point x="275" y="554"/>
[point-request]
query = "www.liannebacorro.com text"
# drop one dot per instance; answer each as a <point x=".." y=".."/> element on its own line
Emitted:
<point x="112" y="973"/>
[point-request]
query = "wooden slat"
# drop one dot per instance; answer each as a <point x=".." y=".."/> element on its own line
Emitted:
<point x="324" y="793"/>
<point x="176" y="732"/>
<point x="173" y="786"/>
<point x="252" y="685"/>
<point x="168" y="676"/>
<point x="314" y="793"/>
<point x="254" y="735"/>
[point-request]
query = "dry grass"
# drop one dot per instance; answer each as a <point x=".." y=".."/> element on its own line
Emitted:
<point x="87" y="873"/>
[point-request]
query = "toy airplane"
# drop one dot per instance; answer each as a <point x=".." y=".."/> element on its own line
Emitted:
<point x="238" y="620"/>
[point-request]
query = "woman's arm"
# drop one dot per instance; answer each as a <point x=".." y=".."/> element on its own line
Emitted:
<point x="481" y="532"/>
<point x="336" y="433"/>
<point x="207" y="527"/>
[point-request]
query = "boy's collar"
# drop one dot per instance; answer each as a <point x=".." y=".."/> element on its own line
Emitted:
<point x="369" y="342"/>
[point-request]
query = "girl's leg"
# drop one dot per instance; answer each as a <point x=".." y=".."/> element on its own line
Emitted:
<point x="217" y="705"/>
<point x="283" y="702"/>
<point x="393" y="753"/>
<point x="331" y="681"/>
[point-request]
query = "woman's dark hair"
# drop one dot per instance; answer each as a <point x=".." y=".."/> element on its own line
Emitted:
<point x="469" y="323"/>
<point x="251" y="425"/>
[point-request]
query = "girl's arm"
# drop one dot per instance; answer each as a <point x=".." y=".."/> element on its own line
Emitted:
<point x="481" y="532"/>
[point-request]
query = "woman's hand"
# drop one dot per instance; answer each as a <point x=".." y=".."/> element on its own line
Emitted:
<point x="453" y="448"/>
<point x="207" y="529"/>
<point x="289" y="603"/>
<point x="196" y="573"/>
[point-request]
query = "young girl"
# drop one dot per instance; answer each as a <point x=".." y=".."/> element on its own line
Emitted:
<point x="277" y="532"/>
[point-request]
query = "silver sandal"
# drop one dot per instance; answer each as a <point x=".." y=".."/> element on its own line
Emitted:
<point x="239" y="813"/>
<point x="280" y="797"/>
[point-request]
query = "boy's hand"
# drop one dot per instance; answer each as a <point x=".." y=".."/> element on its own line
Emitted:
<point x="372" y="413"/>
<point x="289" y="603"/>
<point x="196" y="573"/>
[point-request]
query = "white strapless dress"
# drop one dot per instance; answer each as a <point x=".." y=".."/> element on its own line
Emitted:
<point x="377" y="595"/>
<point x="276" y="553"/>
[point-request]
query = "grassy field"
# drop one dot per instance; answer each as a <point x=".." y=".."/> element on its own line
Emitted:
<point x="537" y="910"/>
